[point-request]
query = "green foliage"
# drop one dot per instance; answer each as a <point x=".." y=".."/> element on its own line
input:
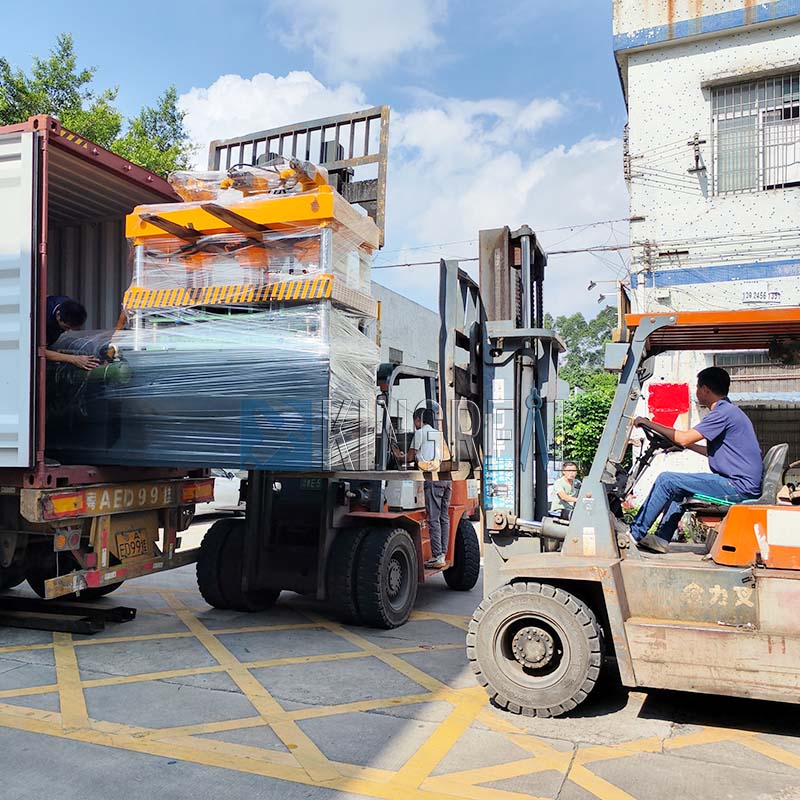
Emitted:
<point x="582" y="421"/>
<point x="156" y="138"/>
<point x="585" y="341"/>
<point x="56" y="85"/>
<point x="584" y="414"/>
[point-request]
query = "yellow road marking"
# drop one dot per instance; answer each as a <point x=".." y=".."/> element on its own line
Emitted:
<point x="305" y="751"/>
<point x="424" y="761"/>
<point x="73" y="703"/>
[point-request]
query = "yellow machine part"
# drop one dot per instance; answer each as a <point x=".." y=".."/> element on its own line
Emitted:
<point x="317" y="208"/>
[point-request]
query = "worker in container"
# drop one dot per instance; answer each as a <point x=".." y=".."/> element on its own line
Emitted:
<point x="733" y="453"/>
<point x="426" y="449"/>
<point x="66" y="314"/>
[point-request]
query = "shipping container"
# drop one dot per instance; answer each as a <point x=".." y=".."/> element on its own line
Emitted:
<point x="71" y="527"/>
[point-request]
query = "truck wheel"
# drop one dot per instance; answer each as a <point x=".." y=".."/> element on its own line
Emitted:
<point x="37" y="575"/>
<point x="388" y="571"/>
<point x="340" y="579"/>
<point x="463" y="575"/>
<point x="535" y="648"/>
<point x="230" y="574"/>
<point x="10" y="579"/>
<point x="209" y="562"/>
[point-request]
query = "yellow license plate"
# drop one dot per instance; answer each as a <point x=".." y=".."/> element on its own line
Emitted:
<point x="133" y="543"/>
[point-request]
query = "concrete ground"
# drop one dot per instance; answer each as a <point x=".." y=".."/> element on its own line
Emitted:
<point x="190" y="702"/>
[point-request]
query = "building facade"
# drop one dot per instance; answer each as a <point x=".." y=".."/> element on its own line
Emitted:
<point x="712" y="160"/>
<point x="712" y="150"/>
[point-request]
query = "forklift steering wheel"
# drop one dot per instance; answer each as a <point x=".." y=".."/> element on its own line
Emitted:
<point x="658" y="439"/>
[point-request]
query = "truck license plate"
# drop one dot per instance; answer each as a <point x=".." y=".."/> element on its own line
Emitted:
<point x="133" y="543"/>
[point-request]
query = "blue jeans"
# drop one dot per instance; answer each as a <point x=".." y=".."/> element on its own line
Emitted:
<point x="667" y="494"/>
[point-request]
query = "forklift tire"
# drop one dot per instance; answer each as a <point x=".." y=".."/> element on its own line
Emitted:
<point x="388" y="574"/>
<point x="536" y="649"/>
<point x="466" y="569"/>
<point x="341" y="575"/>
<point x="209" y="561"/>
<point x="230" y="575"/>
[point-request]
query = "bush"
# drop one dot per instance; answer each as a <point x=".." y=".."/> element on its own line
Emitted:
<point x="582" y="422"/>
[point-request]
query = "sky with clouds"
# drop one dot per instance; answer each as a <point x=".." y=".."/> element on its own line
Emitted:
<point x="503" y="113"/>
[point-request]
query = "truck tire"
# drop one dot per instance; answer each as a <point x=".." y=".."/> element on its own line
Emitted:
<point x="388" y="573"/>
<point x="10" y="578"/>
<point x="466" y="569"/>
<point x="536" y="649"/>
<point x="37" y="575"/>
<point x="231" y="570"/>
<point x="341" y="577"/>
<point x="209" y="562"/>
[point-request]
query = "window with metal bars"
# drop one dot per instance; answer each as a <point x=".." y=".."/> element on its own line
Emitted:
<point x="756" y="131"/>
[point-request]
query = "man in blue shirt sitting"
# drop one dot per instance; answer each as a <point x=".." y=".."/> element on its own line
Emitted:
<point x="733" y="453"/>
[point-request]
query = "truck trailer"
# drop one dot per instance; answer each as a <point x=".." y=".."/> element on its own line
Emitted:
<point x="67" y="526"/>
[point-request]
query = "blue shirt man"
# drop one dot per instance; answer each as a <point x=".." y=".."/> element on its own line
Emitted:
<point x="733" y="453"/>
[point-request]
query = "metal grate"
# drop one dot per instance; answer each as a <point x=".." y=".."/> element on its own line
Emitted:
<point x="756" y="134"/>
<point x="352" y="147"/>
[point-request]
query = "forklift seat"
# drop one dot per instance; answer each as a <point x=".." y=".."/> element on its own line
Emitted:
<point x="771" y="476"/>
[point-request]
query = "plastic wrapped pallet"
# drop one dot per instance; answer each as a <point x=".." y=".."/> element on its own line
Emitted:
<point x="286" y="389"/>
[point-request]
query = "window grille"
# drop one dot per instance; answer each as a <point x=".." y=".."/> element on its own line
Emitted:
<point x="395" y="355"/>
<point x="756" y="130"/>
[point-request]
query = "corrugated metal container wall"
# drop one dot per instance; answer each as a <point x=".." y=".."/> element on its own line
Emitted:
<point x="90" y="263"/>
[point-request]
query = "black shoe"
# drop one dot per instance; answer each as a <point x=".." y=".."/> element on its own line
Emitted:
<point x="653" y="544"/>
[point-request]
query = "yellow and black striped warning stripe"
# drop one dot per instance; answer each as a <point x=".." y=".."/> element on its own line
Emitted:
<point x="318" y="288"/>
<point x="74" y="138"/>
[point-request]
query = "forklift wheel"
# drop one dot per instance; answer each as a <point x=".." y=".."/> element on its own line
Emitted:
<point x="341" y="574"/>
<point x="219" y="570"/>
<point x="463" y="575"/>
<point x="388" y="571"/>
<point x="209" y="560"/>
<point x="535" y="648"/>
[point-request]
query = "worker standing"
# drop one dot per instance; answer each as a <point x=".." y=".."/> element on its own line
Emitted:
<point x="426" y="450"/>
<point x="65" y="314"/>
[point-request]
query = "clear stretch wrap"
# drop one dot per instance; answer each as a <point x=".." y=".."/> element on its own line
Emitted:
<point x="237" y="260"/>
<point x="286" y="388"/>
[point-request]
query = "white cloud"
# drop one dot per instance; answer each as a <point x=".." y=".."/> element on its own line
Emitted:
<point x="233" y="105"/>
<point x="455" y="167"/>
<point x="351" y="38"/>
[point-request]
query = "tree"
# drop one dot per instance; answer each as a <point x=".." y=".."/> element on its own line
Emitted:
<point x="585" y="341"/>
<point x="583" y="417"/>
<point x="582" y="421"/>
<point x="155" y="138"/>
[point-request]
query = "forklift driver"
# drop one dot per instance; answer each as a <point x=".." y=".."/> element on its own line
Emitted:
<point x="733" y="453"/>
<point x="66" y="314"/>
<point x="426" y="450"/>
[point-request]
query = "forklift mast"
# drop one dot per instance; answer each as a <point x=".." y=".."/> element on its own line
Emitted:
<point x="520" y="363"/>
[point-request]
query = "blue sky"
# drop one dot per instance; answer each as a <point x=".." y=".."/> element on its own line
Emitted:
<point x="503" y="113"/>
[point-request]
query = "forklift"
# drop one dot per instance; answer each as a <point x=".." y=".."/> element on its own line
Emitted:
<point x="358" y="538"/>
<point x="563" y="600"/>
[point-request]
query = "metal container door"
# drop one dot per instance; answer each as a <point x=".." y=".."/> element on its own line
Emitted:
<point x="17" y="231"/>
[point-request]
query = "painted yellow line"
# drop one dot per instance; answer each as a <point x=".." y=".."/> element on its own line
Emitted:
<point x="596" y="785"/>
<point x="415" y="674"/>
<point x="466" y="791"/>
<point x="308" y="755"/>
<point x="73" y="703"/>
<point x="456" y="620"/>
<point x="28" y="691"/>
<point x="769" y="750"/>
<point x="439" y="743"/>
<point x="20" y="648"/>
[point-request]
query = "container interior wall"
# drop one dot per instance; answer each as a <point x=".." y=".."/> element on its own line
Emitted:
<point x="87" y="252"/>
<point x="89" y="262"/>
